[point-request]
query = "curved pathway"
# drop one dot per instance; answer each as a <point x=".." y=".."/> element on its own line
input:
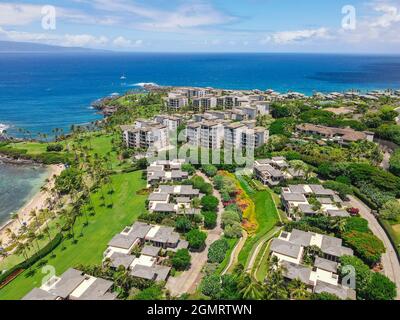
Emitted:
<point x="391" y="266"/>
<point x="235" y="252"/>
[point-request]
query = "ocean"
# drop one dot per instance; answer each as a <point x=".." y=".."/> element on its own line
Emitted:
<point x="40" y="92"/>
<point x="18" y="183"/>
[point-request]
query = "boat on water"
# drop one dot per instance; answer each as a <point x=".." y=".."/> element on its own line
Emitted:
<point x="123" y="77"/>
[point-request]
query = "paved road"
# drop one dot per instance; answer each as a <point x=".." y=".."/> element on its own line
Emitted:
<point x="389" y="259"/>
<point x="188" y="281"/>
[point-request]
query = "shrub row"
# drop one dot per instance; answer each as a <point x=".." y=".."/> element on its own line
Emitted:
<point x="33" y="259"/>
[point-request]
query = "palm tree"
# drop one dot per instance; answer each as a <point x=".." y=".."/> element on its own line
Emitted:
<point x="250" y="288"/>
<point x="298" y="290"/>
<point x="275" y="288"/>
<point x="15" y="216"/>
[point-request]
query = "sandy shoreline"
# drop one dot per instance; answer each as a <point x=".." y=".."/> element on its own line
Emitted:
<point x="37" y="202"/>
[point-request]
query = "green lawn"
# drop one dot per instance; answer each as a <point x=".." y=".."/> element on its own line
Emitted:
<point x="393" y="229"/>
<point x="32" y="148"/>
<point x="267" y="217"/>
<point x="127" y="206"/>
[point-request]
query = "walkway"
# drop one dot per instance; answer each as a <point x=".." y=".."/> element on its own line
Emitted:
<point x="235" y="252"/>
<point x="390" y="262"/>
<point x="188" y="281"/>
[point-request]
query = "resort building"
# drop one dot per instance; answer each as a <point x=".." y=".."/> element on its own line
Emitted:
<point x="211" y="134"/>
<point x="290" y="249"/>
<point x="146" y="134"/>
<point x="193" y="133"/>
<point x="73" y="285"/>
<point x="204" y="103"/>
<point x="171" y="122"/>
<point x="176" y="101"/>
<point x="239" y="135"/>
<point x="165" y="171"/>
<point x="343" y="136"/>
<point x="310" y="200"/>
<point x="273" y="171"/>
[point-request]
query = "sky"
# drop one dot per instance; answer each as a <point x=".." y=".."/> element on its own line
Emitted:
<point x="329" y="26"/>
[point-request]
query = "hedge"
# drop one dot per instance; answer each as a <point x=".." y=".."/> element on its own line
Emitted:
<point x="33" y="259"/>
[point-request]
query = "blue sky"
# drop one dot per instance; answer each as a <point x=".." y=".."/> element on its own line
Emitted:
<point x="208" y="25"/>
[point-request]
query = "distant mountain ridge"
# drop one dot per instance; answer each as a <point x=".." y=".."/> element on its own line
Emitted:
<point x="20" y="47"/>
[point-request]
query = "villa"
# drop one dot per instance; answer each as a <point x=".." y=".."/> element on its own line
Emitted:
<point x="273" y="171"/>
<point x="342" y="136"/>
<point x="151" y="239"/>
<point x="296" y="200"/>
<point x="165" y="171"/>
<point x="290" y="249"/>
<point x="73" y="285"/>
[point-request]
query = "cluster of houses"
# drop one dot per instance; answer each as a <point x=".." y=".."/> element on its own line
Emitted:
<point x="150" y="240"/>
<point x="308" y="200"/>
<point x="290" y="248"/>
<point x="342" y="136"/>
<point x="273" y="171"/>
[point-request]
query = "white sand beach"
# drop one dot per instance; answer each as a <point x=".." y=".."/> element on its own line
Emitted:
<point x="38" y="202"/>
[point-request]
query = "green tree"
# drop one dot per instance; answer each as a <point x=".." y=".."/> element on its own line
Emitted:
<point x="181" y="259"/>
<point x="380" y="288"/>
<point x="196" y="239"/>
<point x="390" y="210"/>
<point x="210" y="219"/>
<point x="209" y="203"/>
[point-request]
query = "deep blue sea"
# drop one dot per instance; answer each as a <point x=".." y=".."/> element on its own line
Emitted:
<point x="39" y="92"/>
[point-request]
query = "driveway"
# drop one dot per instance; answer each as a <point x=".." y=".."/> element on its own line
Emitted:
<point x="390" y="262"/>
<point x="188" y="281"/>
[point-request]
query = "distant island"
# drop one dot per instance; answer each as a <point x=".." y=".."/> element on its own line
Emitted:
<point x="26" y="47"/>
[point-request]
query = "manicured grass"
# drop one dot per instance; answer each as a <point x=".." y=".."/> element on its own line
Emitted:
<point x="107" y="222"/>
<point x="31" y="147"/>
<point x="267" y="217"/>
<point x="393" y="229"/>
<point x="101" y="144"/>
<point x="262" y="264"/>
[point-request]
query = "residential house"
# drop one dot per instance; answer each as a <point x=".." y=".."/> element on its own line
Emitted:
<point x="290" y="247"/>
<point x="73" y="285"/>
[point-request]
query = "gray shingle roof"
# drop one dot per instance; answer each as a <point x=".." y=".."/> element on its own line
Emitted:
<point x="121" y="259"/>
<point x="333" y="246"/>
<point x="151" y="251"/>
<point x="300" y="238"/>
<point x="294" y="197"/>
<point x="297" y="188"/>
<point x="326" y="265"/>
<point x="294" y="271"/>
<point x="164" y="207"/>
<point x="155" y="273"/>
<point x="340" y="291"/>
<point x="286" y="248"/>
<point x="69" y="281"/>
<point x="155" y="196"/>
<point x="138" y="231"/>
<point x="320" y="190"/>
<point x="98" y="290"/>
<point x="306" y="208"/>
<point x="39" y="294"/>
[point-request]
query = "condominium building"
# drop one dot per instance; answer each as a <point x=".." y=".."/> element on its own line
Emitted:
<point x="211" y="134"/>
<point x="171" y="122"/>
<point x="145" y="135"/>
<point x="193" y="133"/>
<point x="204" y="103"/>
<point x="176" y="101"/>
<point x="239" y="135"/>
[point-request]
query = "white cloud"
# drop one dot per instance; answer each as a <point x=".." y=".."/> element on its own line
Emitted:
<point x="83" y="40"/>
<point x="121" y="42"/>
<point x="18" y="14"/>
<point x="390" y="16"/>
<point x="285" y="37"/>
